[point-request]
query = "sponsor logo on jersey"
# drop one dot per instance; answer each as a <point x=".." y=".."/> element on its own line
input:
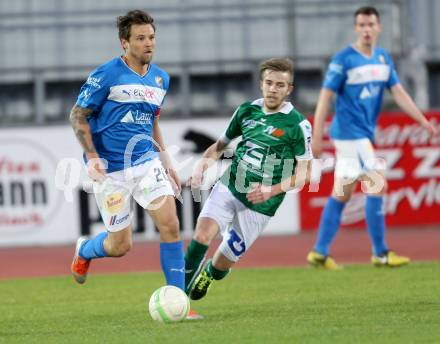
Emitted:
<point x="370" y="92"/>
<point x="137" y="94"/>
<point x="137" y="117"/>
<point x="249" y="123"/>
<point x="128" y="118"/>
<point x="114" y="203"/>
<point x="150" y="189"/>
<point x="115" y="221"/>
<point x="382" y="59"/>
<point x="368" y="73"/>
<point x="336" y="68"/>
<point x="274" y="132"/>
<point x="86" y="94"/>
<point x="93" y="81"/>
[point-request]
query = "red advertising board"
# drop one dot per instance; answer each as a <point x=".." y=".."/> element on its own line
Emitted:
<point x="413" y="175"/>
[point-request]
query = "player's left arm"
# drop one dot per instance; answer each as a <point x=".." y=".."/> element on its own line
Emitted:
<point x="165" y="157"/>
<point x="261" y="193"/>
<point x="405" y="102"/>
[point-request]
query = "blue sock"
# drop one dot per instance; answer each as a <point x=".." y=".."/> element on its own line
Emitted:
<point x="330" y="221"/>
<point x="94" y="248"/>
<point x="375" y="218"/>
<point x="173" y="263"/>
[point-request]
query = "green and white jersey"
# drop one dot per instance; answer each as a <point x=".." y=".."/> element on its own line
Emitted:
<point x="268" y="152"/>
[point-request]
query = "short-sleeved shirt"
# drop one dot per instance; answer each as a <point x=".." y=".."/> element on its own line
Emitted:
<point x="125" y="105"/>
<point x="270" y="147"/>
<point x="359" y="82"/>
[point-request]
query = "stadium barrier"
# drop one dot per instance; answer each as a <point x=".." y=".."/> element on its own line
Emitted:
<point x="44" y="198"/>
<point x="44" y="193"/>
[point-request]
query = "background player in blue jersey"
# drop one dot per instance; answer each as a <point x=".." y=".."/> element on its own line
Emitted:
<point x="358" y="76"/>
<point x="116" y="120"/>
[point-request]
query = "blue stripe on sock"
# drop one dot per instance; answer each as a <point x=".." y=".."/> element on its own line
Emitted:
<point x="329" y="225"/>
<point x="94" y="248"/>
<point x="375" y="218"/>
<point x="173" y="263"/>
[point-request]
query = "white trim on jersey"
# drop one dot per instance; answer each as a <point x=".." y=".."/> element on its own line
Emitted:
<point x="223" y="136"/>
<point x="286" y="108"/>
<point x="136" y="93"/>
<point x="368" y="73"/>
<point x="306" y="128"/>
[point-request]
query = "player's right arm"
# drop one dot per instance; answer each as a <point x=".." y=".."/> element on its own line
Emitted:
<point x="78" y="120"/>
<point x="321" y="113"/>
<point x="333" y="82"/>
<point x="214" y="152"/>
<point x="209" y="157"/>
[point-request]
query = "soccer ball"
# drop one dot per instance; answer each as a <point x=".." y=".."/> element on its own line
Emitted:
<point x="169" y="304"/>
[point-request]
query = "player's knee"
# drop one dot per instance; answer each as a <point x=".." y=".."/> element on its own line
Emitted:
<point x="206" y="230"/>
<point x="375" y="185"/>
<point x="383" y="189"/>
<point x="345" y="197"/>
<point x="202" y="237"/>
<point x="170" y="228"/>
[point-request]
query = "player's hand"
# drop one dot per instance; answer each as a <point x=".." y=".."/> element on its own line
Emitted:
<point x="259" y="193"/>
<point x="317" y="146"/>
<point x="195" y="182"/>
<point x="175" y="181"/>
<point x="428" y="126"/>
<point x="96" y="169"/>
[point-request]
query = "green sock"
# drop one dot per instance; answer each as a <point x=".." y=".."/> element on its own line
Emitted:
<point x="215" y="273"/>
<point x="194" y="254"/>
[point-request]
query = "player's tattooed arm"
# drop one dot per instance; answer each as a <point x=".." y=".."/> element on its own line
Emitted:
<point x="78" y="120"/>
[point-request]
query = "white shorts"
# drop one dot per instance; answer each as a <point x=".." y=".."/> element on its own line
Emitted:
<point x="356" y="157"/>
<point x="239" y="225"/>
<point x="113" y="195"/>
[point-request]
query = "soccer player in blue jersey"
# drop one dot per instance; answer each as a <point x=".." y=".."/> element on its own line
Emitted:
<point x="116" y="120"/>
<point x="358" y="76"/>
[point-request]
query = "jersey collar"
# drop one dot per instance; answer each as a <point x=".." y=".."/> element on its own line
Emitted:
<point x="286" y="108"/>
<point x="126" y="65"/>
<point x="373" y="53"/>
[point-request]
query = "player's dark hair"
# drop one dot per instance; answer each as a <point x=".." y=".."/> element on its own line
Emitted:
<point x="367" y="10"/>
<point x="278" y="65"/>
<point x="135" y="17"/>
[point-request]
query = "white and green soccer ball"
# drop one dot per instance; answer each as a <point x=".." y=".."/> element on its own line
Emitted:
<point x="169" y="304"/>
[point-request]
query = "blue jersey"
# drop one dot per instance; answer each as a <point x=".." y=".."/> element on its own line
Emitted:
<point x="124" y="106"/>
<point x="359" y="82"/>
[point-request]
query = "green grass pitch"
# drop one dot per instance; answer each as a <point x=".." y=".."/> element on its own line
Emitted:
<point x="360" y="304"/>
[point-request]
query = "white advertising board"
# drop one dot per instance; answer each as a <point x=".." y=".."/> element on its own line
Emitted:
<point x="34" y="211"/>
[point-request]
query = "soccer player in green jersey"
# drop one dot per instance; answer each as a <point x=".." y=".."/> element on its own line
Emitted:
<point x="273" y="156"/>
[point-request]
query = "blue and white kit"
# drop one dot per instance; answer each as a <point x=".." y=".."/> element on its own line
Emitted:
<point x="125" y="106"/>
<point x="359" y="83"/>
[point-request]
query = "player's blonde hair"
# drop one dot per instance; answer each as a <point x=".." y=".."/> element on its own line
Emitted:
<point x="278" y="65"/>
